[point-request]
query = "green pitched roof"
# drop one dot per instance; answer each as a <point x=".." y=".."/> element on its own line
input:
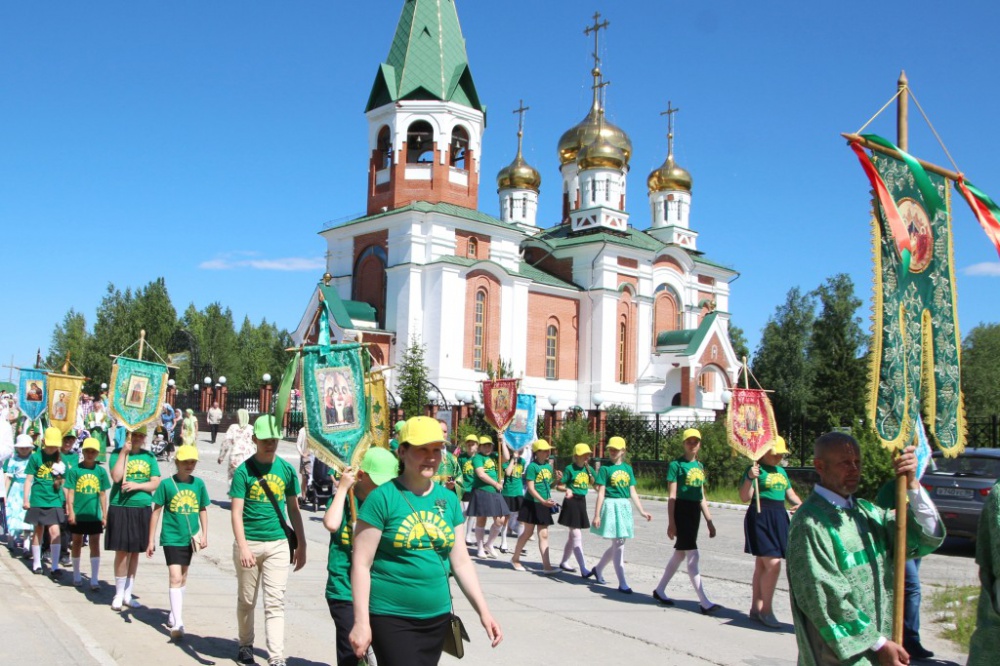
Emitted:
<point x="335" y="308"/>
<point x="360" y="311"/>
<point x="427" y="59"/>
<point x="562" y="235"/>
<point x="692" y="337"/>
<point x="443" y="208"/>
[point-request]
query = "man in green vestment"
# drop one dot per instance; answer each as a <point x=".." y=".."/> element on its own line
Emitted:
<point x="840" y="555"/>
<point x="985" y="643"/>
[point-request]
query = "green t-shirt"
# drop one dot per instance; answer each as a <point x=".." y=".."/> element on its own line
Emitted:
<point x="87" y="486"/>
<point x="260" y="522"/>
<point x="468" y="471"/>
<point x="577" y="479"/>
<point x="617" y="480"/>
<point x="139" y="468"/>
<point x="689" y="477"/>
<point x="182" y="502"/>
<point x="513" y="482"/>
<point x="542" y="476"/>
<point x="773" y="482"/>
<point x="338" y="561"/>
<point x="43" y="491"/>
<point x="489" y="465"/>
<point x="414" y="548"/>
<point x="71" y="460"/>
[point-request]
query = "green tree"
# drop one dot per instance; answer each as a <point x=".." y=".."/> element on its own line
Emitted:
<point x="836" y="357"/>
<point x="155" y="314"/>
<point x="217" y="342"/>
<point x="411" y="379"/>
<point x="115" y="330"/>
<point x="70" y="338"/>
<point x="738" y="339"/>
<point x="981" y="370"/>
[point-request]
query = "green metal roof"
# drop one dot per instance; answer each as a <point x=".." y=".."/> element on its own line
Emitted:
<point x="562" y="235"/>
<point x="442" y="208"/>
<point x="335" y="307"/>
<point x="427" y="59"/>
<point x="360" y="311"/>
<point x="691" y="337"/>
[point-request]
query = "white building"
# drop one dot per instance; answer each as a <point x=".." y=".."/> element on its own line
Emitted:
<point x="587" y="306"/>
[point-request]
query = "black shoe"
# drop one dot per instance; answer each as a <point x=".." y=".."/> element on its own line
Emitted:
<point x="918" y="651"/>
<point x="710" y="610"/>
<point x="625" y="590"/>
<point x="55" y="574"/>
<point x="666" y="601"/>
<point x="245" y="655"/>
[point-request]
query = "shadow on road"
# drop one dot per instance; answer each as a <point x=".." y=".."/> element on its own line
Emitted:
<point x="957" y="547"/>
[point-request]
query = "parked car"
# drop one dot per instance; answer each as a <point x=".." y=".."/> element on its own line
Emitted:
<point x="959" y="487"/>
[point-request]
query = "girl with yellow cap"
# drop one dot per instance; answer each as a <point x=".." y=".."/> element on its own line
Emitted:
<point x="87" y="486"/>
<point x="44" y="499"/>
<point x="537" y="508"/>
<point x="577" y="479"/>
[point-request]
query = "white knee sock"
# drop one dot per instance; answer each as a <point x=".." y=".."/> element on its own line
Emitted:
<point x="513" y="524"/>
<point x="578" y="550"/>
<point x="494" y="531"/>
<point x="76" y="570"/>
<point x="670" y="570"/>
<point x="619" y="562"/>
<point x="120" y="587"/>
<point x="695" y="575"/>
<point x="127" y="592"/>
<point x="95" y="567"/>
<point x="470" y="530"/>
<point x="605" y="558"/>
<point x="479" y="537"/>
<point x="54" y="551"/>
<point x="503" y="538"/>
<point x="176" y="606"/>
<point x="36" y="557"/>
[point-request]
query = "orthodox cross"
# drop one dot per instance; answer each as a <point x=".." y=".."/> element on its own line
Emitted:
<point x="669" y="113"/>
<point x="596" y="29"/>
<point x="520" y="110"/>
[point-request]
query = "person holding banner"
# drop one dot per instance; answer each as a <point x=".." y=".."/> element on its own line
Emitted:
<point x="486" y="500"/>
<point x="404" y="550"/>
<point x="537" y="508"/>
<point x="766" y="531"/>
<point x="613" y="514"/>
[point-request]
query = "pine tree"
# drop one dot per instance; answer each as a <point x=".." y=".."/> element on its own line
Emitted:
<point x="411" y="379"/>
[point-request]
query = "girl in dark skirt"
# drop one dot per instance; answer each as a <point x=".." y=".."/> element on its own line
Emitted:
<point x="687" y="504"/>
<point x="577" y="479"/>
<point x="513" y="495"/>
<point x="487" y="501"/>
<point x="43" y="499"/>
<point x="87" y="502"/>
<point x="537" y="507"/>
<point x="766" y="531"/>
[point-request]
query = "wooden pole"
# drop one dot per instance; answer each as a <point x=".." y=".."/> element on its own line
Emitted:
<point x="756" y="483"/>
<point x="142" y="342"/>
<point x="928" y="166"/>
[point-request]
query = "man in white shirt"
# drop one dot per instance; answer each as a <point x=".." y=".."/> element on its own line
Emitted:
<point x="214" y="419"/>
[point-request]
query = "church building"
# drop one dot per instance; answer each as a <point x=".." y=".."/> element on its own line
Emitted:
<point x="587" y="309"/>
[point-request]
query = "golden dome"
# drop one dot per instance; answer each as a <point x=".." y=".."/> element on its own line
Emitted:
<point x="601" y="154"/>
<point x="519" y="175"/>
<point x="669" y="177"/>
<point x="586" y="132"/>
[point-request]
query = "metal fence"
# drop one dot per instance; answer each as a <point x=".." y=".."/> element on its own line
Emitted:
<point x="983" y="431"/>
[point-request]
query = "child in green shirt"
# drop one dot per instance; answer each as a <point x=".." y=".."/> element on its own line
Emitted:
<point x="577" y="479"/>
<point x="87" y="504"/>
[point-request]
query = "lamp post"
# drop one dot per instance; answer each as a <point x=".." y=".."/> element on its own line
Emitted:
<point x="553" y="401"/>
<point x="597" y="422"/>
<point x="265" y="394"/>
<point x="206" y="395"/>
<point x="171" y="393"/>
<point x="223" y="393"/>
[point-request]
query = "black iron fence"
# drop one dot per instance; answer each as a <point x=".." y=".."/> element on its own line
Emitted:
<point x="983" y="431"/>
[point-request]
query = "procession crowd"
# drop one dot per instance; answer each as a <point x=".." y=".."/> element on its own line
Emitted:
<point x="398" y="515"/>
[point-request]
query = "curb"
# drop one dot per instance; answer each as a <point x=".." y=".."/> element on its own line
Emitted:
<point x="714" y="505"/>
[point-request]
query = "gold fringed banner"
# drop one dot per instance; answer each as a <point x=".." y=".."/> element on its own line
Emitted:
<point x="64" y="397"/>
<point x="378" y="405"/>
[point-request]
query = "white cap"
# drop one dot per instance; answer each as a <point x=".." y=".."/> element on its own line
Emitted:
<point x="24" y="441"/>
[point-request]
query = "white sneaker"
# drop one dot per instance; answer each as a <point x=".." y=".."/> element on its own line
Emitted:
<point x="116" y="603"/>
<point x="177" y="632"/>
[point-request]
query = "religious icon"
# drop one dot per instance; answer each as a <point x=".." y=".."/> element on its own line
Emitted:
<point x="501" y="400"/>
<point x="921" y="236"/>
<point x="136" y="394"/>
<point x="34" y="393"/>
<point x="60" y="408"/>
<point x="520" y="424"/>
<point x="337" y="387"/>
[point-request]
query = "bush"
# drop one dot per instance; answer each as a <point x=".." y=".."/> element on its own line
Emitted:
<point x="876" y="463"/>
<point x="573" y="432"/>
<point x="723" y="466"/>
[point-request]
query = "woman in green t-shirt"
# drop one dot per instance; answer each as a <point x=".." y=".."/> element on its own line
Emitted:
<point x="183" y="501"/>
<point x="577" y="479"/>
<point x="404" y="548"/>
<point x="686" y="505"/>
<point x="613" y="514"/>
<point x="487" y="502"/>
<point x="43" y="499"/>
<point x="537" y="508"/>
<point x="766" y="531"/>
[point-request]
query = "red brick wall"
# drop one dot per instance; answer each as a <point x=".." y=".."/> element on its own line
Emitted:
<point x="665" y="314"/>
<point x="475" y="281"/>
<point x="564" y="313"/>
<point x="628" y="263"/>
<point x="543" y="261"/>
<point x="666" y="261"/>
<point x="363" y="241"/>
<point x="628" y="279"/>
<point x="462" y="244"/>
<point x="399" y="192"/>
<point x="626" y="315"/>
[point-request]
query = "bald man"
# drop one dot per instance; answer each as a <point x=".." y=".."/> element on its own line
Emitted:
<point x="840" y="555"/>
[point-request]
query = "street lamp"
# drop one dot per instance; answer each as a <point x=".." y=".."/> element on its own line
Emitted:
<point x="727" y="397"/>
<point x="171" y="383"/>
<point x="222" y="380"/>
<point x="104" y="387"/>
<point x="266" y="378"/>
<point x="208" y="381"/>
<point x="196" y="387"/>
<point x="598" y="399"/>
<point x="553" y="401"/>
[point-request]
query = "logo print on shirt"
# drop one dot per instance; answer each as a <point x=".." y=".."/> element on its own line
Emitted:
<point x="88" y="484"/>
<point x="424" y="530"/>
<point x="44" y="472"/>
<point x="581" y="480"/>
<point x="137" y="470"/>
<point x="776" y="482"/>
<point x="544" y="475"/>
<point x="184" y="503"/>
<point x="695" y="478"/>
<point x="467" y="468"/>
<point x="274" y="482"/>
<point x="621" y="479"/>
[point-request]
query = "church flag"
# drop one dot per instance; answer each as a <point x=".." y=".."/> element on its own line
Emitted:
<point x="285" y="387"/>
<point x="336" y="409"/>
<point x="64" y="398"/>
<point x="523" y="429"/>
<point x="31" y="393"/>
<point x="137" y="391"/>
<point x="378" y="402"/>
<point x="916" y="344"/>
<point x="750" y="423"/>
<point x="499" y="402"/>
<point x="985" y="210"/>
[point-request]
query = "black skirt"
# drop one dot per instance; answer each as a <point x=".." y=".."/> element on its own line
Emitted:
<point x="514" y="504"/>
<point x="533" y="513"/>
<point x="574" y="513"/>
<point x="178" y="555"/>
<point x="128" y="529"/>
<point x="45" y="516"/>
<point x="404" y="641"/>
<point x="766" y="533"/>
<point x="687" y="518"/>
<point x="87" y="527"/>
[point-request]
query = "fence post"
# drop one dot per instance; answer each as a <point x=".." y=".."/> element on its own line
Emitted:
<point x="656" y="441"/>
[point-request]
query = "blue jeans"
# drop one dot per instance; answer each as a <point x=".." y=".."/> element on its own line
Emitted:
<point x="911" y="603"/>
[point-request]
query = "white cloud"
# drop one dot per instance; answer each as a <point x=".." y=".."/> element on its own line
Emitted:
<point x="987" y="269"/>
<point x="231" y="261"/>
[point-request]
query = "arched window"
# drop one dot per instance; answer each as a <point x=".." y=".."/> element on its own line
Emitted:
<point x="623" y="352"/>
<point x="479" y="332"/>
<point x="473" y="251"/>
<point x="667" y="315"/>
<point x="384" y="148"/>
<point x="368" y="284"/>
<point x="551" y="352"/>
<point x="420" y="143"/>
<point x="458" y="148"/>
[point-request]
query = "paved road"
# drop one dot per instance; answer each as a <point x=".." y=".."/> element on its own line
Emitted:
<point x="544" y="619"/>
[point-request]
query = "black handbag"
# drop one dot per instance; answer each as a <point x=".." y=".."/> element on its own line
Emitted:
<point x="293" y="538"/>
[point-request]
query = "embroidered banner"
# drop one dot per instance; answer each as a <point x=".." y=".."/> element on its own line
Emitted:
<point x="378" y="402"/>
<point x="523" y="429"/>
<point x="336" y="410"/>
<point x="750" y="422"/>
<point x="499" y="402"/>
<point x="31" y="393"/>
<point x="137" y="391"/>
<point x="916" y="343"/>
<point x="64" y="398"/>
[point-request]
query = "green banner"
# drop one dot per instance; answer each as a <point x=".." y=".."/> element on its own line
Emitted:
<point x="916" y="343"/>
<point x="336" y="411"/>
<point x="137" y="391"/>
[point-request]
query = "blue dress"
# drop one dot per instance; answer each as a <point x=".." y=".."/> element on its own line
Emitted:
<point x="15" y="494"/>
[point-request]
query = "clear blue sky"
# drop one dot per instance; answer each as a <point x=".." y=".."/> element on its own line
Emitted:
<point x="208" y="142"/>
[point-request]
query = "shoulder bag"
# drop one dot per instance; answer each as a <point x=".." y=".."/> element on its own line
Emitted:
<point x="293" y="539"/>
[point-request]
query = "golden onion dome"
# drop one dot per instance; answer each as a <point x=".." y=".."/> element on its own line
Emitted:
<point x="519" y="175"/>
<point x="601" y="154"/>
<point x="669" y="177"/>
<point x="575" y="138"/>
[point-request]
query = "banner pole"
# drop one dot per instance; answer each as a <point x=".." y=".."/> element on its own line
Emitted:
<point x="746" y="385"/>
<point x="142" y="342"/>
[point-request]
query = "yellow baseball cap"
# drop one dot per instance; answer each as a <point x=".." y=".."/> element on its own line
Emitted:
<point x="541" y="445"/>
<point x="421" y="430"/>
<point x="91" y="444"/>
<point x="53" y="437"/>
<point x="472" y="438"/>
<point x="582" y="449"/>
<point x="486" y="439"/>
<point x="691" y="432"/>
<point x="617" y="443"/>
<point x="186" y="453"/>
<point x="779" y="446"/>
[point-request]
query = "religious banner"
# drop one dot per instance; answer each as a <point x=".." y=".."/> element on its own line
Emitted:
<point x="31" y="393"/>
<point x="499" y="402"/>
<point x="523" y="429"/>
<point x="915" y="352"/>
<point x="64" y="397"/>
<point x="137" y="391"/>
<point x="750" y="423"/>
<point x="285" y="387"/>
<point x="336" y="409"/>
<point x="378" y="402"/>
